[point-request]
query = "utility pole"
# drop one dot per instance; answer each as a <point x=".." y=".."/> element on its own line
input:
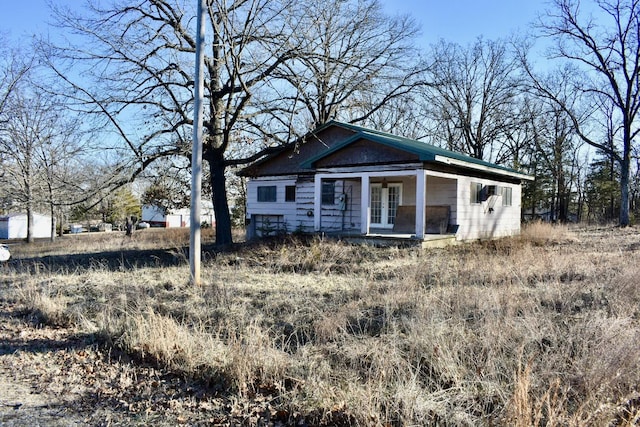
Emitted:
<point x="196" y="154"/>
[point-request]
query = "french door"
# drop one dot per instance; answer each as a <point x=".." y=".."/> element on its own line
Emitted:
<point x="384" y="203"/>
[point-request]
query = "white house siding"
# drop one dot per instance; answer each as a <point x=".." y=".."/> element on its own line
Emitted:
<point x="299" y="215"/>
<point x="442" y="192"/>
<point x="333" y="218"/>
<point x="474" y="221"/>
<point x="332" y="215"/>
<point x="352" y="215"/>
<point x="279" y="214"/>
<point x="477" y="221"/>
<point x="304" y="205"/>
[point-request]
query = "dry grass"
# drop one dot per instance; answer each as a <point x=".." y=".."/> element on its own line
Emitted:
<point x="538" y="330"/>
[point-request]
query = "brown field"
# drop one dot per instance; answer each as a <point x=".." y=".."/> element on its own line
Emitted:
<point x="538" y="330"/>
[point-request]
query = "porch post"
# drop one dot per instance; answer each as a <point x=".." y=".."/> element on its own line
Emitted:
<point x="421" y="185"/>
<point x="365" y="218"/>
<point x="317" y="202"/>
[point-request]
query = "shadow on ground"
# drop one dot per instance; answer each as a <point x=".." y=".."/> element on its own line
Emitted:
<point x="116" y="260"/>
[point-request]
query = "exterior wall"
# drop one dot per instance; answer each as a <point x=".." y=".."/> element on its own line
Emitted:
<point x="15" y="226"/>
<point x="443" y="192"/>
<point x="177" y="220"/>
<point x="263" y="216"/>
<point x="353" y="215"/>
<point x="153" y="215"/>
<point x="334" y="219"/>
<point x="487" y="219"/>
<point x="304" y="205"/>
<point x="299" y="215"/>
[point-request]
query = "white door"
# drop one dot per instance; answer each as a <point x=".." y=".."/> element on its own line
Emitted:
<point x="384" y="204"/>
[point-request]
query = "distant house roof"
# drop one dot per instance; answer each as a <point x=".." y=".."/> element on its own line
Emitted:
<point x="421" y="150"/>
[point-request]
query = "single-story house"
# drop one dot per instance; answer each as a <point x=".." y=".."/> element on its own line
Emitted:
<point x="157" y="216"/>
<point x="345" y="179"/>
<point x="14" y="226"/>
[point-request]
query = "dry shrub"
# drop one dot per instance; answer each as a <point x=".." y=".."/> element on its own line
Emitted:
<point x="50" y="310"/>
<point x="181" y="348"/>
<point x="539" y="232"/>
<point x="529" y="410"/>
<point x="45" y="305"/>
<point x="245" y="361"/>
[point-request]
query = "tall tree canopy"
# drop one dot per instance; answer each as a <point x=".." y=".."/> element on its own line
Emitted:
<point x="603" y="48"/>
<point x="130" y="64"/>
<point x="354" y="60"/>
<point x="474" y="96"/>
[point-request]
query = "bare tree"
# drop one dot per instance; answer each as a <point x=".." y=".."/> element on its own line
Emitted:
<point x="557" y="151"/>
<point x="474" y="96"/>
<point x="353" y="61"/>
<point x="61" y="156"/>
<point x="605" y="53"/>
<point x="13" y="69"/>
<point x="44" y="156"/>
<point x="635" y="183"/>
<point x="137" y="62"/>
<point x="19" y="144"/>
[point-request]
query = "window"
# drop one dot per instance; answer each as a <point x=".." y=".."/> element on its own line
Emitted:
<point x="328" y="192"/>
<point x="290" y="193"/>
<point x="506" y="196"/>
<point x="267" y="193"/>
<point x="476" y="192"/>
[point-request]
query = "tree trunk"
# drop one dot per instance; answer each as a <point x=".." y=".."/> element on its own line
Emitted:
<point x="552" y="205"/>
<point x="624" y="190"/>
<point x="29" y="223"/>
<point x="53" y="223"/>
<point x="219" y="197"/>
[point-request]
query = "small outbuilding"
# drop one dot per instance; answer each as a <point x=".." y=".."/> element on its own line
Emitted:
<point x="14" y="226"/>
<point x="157" y="216"/>
<point x="349" y="180"/>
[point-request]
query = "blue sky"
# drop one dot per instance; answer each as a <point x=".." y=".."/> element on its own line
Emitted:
<point x="460" y="21"/>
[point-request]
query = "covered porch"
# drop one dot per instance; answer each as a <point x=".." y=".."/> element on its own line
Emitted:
<point x="410" y="204"/>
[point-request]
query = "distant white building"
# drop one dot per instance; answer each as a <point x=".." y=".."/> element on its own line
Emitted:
<point x="158" y="217"/>
<point x="14" y="226"/>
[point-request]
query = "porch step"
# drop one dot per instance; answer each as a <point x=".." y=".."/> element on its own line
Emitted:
<point x="439" y="241"/>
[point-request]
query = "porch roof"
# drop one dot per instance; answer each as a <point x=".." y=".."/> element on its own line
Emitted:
<point x="425" y="152"/>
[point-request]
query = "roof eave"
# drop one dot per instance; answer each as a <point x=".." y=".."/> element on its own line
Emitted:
<point x="483" y="168"/>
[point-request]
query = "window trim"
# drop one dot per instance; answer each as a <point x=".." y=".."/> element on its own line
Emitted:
<point x="324" y="195"/>
<point x="475" y="193"/>
<point x="507" y="200"/>
<point x="267" y="193"/>
<point x="288" y="196"/>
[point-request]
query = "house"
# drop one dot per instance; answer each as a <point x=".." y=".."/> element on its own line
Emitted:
<point x="157" y="216"/>
<point x="14" y="226"/>
<point x="349" y="180"/>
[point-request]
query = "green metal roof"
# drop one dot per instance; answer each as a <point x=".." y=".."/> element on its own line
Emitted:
<point x="424" y="151"/>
